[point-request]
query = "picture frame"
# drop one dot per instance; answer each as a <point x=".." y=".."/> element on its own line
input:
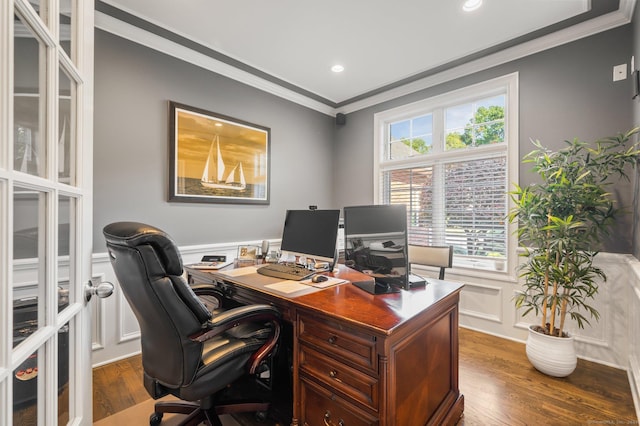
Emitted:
<point x="248" y="253"/>
<point x="214" y="158"/>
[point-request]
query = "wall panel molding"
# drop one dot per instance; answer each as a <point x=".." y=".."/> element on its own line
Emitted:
<point x="98" y="316"/>
<point x="482" y="301"/>
<point x="486" y="305"/>
<point x="634" y="331"/>
<point x="127" y="325"/>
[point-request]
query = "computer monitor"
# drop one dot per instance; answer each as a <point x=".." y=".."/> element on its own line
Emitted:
<point x="376" y="243"/>
<point x="311" y="233"/>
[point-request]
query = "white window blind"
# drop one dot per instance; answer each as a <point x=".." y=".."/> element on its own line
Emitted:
<point x="476" y="206"/>
<point x="469" y="213"/>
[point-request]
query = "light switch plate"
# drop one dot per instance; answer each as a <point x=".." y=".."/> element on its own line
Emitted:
<point x="619" y="72"/>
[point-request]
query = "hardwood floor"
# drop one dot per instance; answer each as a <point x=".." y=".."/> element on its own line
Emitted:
<point x="500" y="387"/>
<point x="117" y="386"/>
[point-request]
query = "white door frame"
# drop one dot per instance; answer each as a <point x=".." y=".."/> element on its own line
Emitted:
<point x="47" y="268"/>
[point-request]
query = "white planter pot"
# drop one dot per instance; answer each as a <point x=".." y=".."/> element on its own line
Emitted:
<point x="554" y="356"/>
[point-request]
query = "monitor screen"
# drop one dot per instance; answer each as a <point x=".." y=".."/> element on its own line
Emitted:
<point x="376" y="242"/>
<point x="311" y="233"/>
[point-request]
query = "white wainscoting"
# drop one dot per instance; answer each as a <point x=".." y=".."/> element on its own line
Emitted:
<point x="634" y="331"/>
<point x="116" y="334"/>
<point x="486" y="305"/>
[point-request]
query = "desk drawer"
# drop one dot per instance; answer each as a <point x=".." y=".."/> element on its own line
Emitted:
<point x="341" y="342"/>
<point x="320" y="407"/>
<point x="336" y="375"/>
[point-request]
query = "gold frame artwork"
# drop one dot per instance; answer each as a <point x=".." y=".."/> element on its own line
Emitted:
<point x="217" y="159"/>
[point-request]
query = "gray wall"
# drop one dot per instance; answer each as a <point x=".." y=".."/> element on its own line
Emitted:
<point x="133" y="85"/>
<point x="565" y="92"/>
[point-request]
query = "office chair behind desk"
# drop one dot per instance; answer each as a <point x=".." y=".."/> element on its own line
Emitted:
<point x="186" y="351"/>
<point x="440" y="257"/>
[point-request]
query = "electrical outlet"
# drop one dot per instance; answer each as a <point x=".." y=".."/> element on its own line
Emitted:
<point x="620" y="72"/>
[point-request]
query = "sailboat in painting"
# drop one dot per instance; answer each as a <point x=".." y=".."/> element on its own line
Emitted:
<point x="213" y="173"/>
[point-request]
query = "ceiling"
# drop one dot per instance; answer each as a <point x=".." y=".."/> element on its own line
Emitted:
<point x="382" y="44"/>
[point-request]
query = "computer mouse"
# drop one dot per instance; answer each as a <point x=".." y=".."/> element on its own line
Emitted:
<point x="318" y="278"/>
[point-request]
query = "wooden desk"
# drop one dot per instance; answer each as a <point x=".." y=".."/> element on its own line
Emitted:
<point x="360" y="359"/>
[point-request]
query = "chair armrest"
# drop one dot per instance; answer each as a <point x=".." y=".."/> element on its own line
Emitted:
<point x="245" y="314"/>
<point x="201" y="290"/>
<point x="206" y="289"/>
<point x="230" y="318"/>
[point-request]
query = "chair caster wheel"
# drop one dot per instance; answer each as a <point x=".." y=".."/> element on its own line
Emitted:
<point x="155" y="419"/>
<point x="261" y="416"/>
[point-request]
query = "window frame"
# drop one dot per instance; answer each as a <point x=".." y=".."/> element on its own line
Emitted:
<point x="436" y="105"/>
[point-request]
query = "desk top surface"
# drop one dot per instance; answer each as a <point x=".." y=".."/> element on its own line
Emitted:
<point x="382" y="312"/>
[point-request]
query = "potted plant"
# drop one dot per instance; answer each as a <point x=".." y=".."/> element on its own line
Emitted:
<point x="561" y="221"/>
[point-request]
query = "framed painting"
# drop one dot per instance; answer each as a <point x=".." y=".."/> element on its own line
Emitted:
<point x="217" y="159"/>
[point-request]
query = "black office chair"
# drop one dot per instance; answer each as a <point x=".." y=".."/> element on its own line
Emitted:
<point x="187" y="351"/>
<point x="438" y="256"/>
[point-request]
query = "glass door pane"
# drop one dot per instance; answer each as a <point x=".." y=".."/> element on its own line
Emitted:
<point x="27" y="378"/>
<point x="66" y="248"/>
<point x="66" y="129"/>
<point x="66" y="26"/>
<point x="63" y="374"/>
<point x="29" y="148"/>
<point x="29" y="261"/>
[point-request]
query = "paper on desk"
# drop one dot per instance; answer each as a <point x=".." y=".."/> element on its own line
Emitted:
<point x="240" y="271"/>
<point x="287" y="286"/>
<point x="328" y="283"/>
<point x="211" y="265"/>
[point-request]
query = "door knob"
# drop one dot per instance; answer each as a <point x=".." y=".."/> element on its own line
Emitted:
<point x="102" y="290"/>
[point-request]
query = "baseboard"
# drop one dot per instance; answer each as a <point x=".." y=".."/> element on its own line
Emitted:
<point x="634" y="383"/>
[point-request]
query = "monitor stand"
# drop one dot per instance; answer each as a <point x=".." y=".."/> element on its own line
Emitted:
<point x="416" y="281"/>
<point x="376" y="287"/>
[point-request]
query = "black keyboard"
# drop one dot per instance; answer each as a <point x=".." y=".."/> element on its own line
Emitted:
<point x="286" y="271"/>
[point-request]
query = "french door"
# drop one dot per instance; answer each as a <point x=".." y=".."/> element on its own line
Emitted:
<point x="46" y="116"/>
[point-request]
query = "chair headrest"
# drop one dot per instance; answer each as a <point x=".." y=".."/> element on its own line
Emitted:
<point x="134" y="234"/>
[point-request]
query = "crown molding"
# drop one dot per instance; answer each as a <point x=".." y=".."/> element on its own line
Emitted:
<point x="602" y="23"/>
<point x="155" y="42"/>
<point x="596" y="25"/>
<point x="626" y="8"/>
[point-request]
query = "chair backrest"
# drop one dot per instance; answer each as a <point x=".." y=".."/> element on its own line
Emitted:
<point x="438" y="256"/>
<point x="148" y="267"/>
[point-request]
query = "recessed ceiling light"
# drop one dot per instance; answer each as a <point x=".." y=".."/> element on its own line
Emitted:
<point x="471" y="5"/>
<point x="337" y="68"/>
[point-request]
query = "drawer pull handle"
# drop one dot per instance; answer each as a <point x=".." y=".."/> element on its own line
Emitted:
<point x="328" y="422"/>
<point x="333" y="339"/>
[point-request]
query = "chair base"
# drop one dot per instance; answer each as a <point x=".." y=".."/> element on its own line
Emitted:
<point x="196" y="414"/>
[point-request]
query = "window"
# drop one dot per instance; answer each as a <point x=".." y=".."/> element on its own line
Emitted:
<point x="450" y="159"/>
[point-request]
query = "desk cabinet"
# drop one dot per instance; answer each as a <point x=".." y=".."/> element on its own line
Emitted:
<point x="354" y="374"/>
